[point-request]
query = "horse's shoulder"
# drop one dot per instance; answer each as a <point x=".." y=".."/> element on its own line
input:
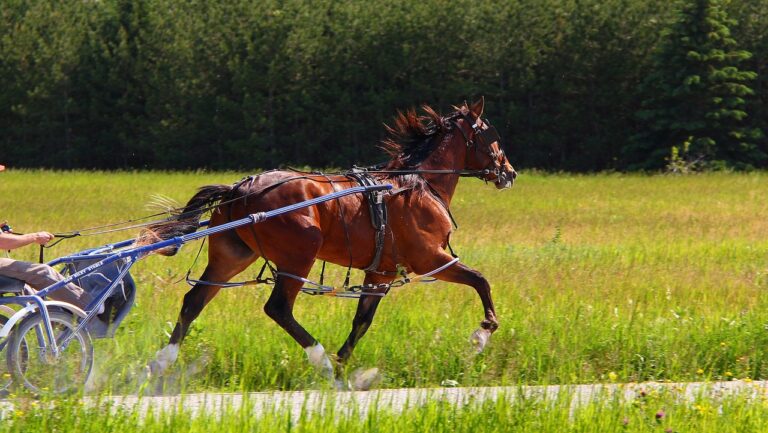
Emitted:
<point x="419" y="205"/>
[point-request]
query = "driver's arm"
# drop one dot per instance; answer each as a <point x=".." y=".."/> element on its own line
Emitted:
<point x="10" y="241"/>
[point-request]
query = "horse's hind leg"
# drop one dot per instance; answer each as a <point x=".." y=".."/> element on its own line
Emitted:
<point x="194" y="301"/>
<point x="462" y="274"/>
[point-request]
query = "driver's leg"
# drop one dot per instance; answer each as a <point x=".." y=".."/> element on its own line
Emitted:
<point x="39" y="276"/>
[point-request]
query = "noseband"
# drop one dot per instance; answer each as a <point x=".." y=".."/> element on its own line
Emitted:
<point x="485" y="138"/>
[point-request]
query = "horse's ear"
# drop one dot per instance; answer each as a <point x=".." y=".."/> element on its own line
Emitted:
<point x="477" y="107"/>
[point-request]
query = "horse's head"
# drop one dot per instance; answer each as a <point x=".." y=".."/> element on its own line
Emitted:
<point x="483" y="146"/>
<point x="461" y="143"/>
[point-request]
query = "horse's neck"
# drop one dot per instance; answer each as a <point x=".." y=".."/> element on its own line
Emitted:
<point x="447" y="156"/>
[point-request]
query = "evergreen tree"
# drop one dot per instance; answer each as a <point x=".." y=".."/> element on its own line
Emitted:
<point x="752" y="34"/>
<point x="109" y="89"/>
<point x="695" y="103"/>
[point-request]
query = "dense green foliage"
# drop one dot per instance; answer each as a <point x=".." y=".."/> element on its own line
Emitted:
<point x="245" y="83"/>
<point x="696" y="96"/>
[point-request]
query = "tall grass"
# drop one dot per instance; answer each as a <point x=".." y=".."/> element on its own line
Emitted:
<point x="627" y="277"/>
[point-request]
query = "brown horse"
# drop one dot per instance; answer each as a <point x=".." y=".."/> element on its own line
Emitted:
<point x="429" y="154"/>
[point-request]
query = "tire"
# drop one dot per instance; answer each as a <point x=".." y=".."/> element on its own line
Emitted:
<point x="5" y="376"/>
<point x="31" y="367"/>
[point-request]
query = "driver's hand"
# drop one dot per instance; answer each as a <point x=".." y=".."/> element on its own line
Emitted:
<point x="41" y="238"/>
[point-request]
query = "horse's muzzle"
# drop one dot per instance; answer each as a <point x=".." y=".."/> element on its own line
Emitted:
<point x="505" y="179"/>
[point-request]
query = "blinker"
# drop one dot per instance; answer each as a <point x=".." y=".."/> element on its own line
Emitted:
<point x="487" y="136"/>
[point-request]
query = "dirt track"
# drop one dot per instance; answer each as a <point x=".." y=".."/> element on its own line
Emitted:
<point x="397" y="400"/>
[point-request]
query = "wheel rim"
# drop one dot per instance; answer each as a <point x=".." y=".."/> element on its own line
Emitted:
<point x="5" y="375"/>
<point x="41" y="371"/>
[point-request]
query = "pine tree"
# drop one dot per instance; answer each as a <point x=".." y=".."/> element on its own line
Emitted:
<point x="696" y="96"/>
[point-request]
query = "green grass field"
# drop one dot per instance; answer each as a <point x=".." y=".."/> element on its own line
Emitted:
<point x="596" y="278"/>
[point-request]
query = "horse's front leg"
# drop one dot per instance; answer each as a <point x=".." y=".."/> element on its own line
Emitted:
<point x="366" y="309"/>
<point x="462" y="274"/>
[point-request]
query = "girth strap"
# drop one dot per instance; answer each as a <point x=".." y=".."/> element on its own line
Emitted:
<point x="378" y="211"/>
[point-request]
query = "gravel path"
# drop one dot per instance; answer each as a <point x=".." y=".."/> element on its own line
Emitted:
<point x="397" y="400"/>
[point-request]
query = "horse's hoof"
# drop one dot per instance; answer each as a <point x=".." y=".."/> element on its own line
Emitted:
<point x="479" y="339"/>
<point x="340" y="385"/>
<point x="141" y="375"/>
<point x="154" y="368"/>
<point x="363" y="380"/>
<point x="163" y="359"/>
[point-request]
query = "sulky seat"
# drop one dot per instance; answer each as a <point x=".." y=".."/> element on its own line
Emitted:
<point x="10" y="285"/>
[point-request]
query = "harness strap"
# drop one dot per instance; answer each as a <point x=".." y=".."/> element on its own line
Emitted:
<point x="379" y="290"/>
<point x="433" y="193"/>
<point x="378" y="211"/>
<point x="355" y="292"/>
<point x="258" y="280"/>
<point x="5" y="228"/>
<point x="321" y="289"/>
<point x="322" y="273"/>
<point x="451" y="249"/>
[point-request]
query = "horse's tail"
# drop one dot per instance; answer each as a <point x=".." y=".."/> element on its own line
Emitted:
<point x="185" y="221"/>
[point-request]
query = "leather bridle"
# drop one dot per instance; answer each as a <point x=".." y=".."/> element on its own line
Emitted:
<point x="481" y="141"/>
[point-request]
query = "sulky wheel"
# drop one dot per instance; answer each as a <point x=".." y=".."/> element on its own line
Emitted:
<point x="32" y="363"/>
<point x="5" y="375"/>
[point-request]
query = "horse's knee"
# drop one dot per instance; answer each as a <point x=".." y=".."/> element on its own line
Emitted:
<point x="270" y="310"/>
<point x="481" y="286"/>
<point x="276" y="310"/>
<point x="188" y="308"/>
<point x="490" y="324"/>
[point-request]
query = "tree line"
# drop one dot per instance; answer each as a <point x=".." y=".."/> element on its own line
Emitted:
<point x="577" y="85"/>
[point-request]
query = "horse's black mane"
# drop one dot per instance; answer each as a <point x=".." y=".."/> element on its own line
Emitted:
<point x="411" y="138"/>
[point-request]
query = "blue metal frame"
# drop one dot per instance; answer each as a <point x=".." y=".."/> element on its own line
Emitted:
<point x="114" y="252"/>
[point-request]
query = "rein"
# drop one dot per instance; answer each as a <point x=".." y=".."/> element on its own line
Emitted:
<point x="462" y="173"/>
<point x="94" y="231"/>
<point x="81" y="232"/>
<point x="5" y="228"/>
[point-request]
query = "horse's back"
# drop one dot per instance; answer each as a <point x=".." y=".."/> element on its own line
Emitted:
<point x="300" y="234"/>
